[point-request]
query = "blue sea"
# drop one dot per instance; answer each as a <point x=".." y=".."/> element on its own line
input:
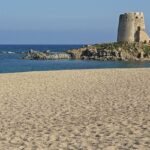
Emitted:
<point x="11" y="60"/>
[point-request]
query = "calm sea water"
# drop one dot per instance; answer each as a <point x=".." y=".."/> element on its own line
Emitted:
<point x="11" y="60"/>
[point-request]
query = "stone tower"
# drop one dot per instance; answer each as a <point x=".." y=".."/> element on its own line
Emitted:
<point x="132" y="28"/>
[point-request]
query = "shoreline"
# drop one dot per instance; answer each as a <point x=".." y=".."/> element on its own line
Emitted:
<point x="72" y="70"/>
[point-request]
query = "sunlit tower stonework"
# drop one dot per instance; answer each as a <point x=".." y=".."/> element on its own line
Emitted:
<point x="132" y="28"/>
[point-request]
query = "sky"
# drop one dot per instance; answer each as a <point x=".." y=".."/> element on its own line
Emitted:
<point x="65" y="21"/>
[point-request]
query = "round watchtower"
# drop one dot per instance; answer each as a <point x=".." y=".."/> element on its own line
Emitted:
<point x="130" y="25"/>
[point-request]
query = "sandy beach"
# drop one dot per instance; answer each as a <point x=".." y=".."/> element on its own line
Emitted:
<point x="75" y="110"/>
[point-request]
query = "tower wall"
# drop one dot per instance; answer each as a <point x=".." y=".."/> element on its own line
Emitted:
<point x="126" y="28"/>
<point x="139" y="21"/>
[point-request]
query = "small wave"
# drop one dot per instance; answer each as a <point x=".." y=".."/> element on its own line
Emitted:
<point x="10" y="52"/>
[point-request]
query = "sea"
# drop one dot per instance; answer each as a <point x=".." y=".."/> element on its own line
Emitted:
<point x="11" y="60"/>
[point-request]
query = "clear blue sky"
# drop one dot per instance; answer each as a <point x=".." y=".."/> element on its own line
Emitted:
<point x="64" y="21"/>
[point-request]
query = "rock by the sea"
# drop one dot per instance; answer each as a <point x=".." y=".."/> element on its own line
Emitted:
<point x="113" y="51"/>
<point x="47" y="55"/>
<point x="108" y="51"/>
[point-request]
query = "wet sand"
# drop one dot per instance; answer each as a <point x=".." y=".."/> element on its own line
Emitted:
<point x="75" y="110"/>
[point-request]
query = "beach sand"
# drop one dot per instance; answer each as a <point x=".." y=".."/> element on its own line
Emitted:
<point x="75" y="110"/>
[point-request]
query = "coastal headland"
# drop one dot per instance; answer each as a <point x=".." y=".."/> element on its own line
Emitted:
<point x="83" y="109"/>
<point x="133" y="43"/>
<point x="108" y="51"/>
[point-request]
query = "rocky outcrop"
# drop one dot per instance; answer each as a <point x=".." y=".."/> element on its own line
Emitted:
<point x="95" y="54"/>
<point x="113" y="51"/>
<point x="47" y="55"/>
<point x="109" y="51"/>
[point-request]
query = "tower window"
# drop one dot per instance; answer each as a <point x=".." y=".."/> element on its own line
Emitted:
<point x="139" y="28"/>
<point x="136" y="17"/>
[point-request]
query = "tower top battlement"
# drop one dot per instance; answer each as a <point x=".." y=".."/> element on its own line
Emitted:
<point x="134" y="13"/>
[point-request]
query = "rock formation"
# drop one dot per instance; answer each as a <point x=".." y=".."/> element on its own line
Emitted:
<point x="132" y="28"/>
<point x="113" y="51"/>
<point x="108" y="51"/>
<point x="37" y="55"/>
